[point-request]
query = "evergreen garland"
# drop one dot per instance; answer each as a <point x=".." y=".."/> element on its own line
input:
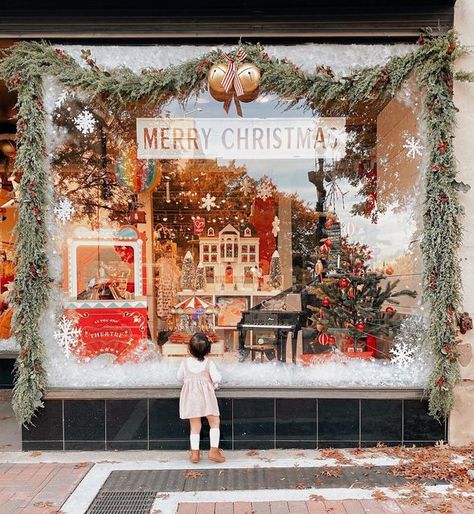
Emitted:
<point x="24" y="65"/>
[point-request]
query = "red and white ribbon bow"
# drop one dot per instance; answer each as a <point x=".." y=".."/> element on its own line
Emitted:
<point x="231" y="81"/>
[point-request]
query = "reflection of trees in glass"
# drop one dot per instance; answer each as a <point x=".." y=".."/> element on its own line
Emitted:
<point x="83" y="166"/>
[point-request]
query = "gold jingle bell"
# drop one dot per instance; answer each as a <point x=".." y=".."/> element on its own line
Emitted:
<point x="249" y="97"/>
<point x="215" y="76"/>
<point x="249" y="76"/>
<point x="220" y="96"/>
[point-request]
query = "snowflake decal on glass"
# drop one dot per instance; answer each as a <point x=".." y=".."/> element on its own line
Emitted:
<point x="208" y="202"/>
<point x="67" y="335"/>
<point x="265" y="189"/>
<point x="62" y="98"/>
<point x="413" y="147"/>
<point x="247" y="186"/>
<point x="403" y="355"/>
<point x="85" y="122"/>
<point x="64" y="210"/>
<point x="275" y="226"/>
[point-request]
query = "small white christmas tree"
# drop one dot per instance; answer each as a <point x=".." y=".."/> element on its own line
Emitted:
<point x="187" y="272"/>
<point x="200" y="278"/>
<point x="276" y="275"/>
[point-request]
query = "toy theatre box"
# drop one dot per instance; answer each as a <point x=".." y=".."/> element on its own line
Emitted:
<point x="106" y="290"/>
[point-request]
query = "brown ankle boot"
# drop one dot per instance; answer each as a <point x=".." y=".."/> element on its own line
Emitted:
<point x="216" y="455"/>
<point x="195" y="456"/>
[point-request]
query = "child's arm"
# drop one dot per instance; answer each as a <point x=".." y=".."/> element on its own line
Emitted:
<point x="216" y="377"/>
<point x="180" y="374"/>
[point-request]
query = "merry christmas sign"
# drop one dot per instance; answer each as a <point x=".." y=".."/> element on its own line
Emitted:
<point x="230" y="138"/>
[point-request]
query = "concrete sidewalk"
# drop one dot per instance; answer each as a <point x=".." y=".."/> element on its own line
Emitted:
<point x="67" y="482"/>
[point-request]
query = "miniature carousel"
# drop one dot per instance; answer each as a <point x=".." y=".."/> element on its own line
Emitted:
<point x="190" y="316"/>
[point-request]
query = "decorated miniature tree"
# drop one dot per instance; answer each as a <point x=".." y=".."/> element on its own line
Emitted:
<point x="276" y="275"/>
<point x="355" y="298"/>
<point x="187" y="272"/>
<point x="200" y="278"/>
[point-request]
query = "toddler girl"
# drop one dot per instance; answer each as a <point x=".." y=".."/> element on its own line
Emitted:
<point x="198" y="399"/>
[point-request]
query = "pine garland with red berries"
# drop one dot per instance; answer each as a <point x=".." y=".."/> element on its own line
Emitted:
<point x="25" y="65"/>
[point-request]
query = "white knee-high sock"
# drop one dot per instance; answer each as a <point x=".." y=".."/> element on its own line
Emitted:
<point x="194" y="438"/>
<point x="214" y="436"/>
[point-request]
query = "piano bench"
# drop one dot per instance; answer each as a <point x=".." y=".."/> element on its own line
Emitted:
<point x="262" y="349"/>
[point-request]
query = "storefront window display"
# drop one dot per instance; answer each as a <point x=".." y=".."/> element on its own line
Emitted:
<point x="280" y="198"/>
<point x="290" y="236"/>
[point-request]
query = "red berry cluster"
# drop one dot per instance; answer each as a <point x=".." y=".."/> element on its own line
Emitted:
<point x="383" y="79"/>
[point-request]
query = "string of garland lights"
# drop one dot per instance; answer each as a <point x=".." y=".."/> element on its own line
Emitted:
<point x="25" y="65"/>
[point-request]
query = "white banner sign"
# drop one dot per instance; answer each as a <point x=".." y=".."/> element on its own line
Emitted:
<point x="241" y="138"/>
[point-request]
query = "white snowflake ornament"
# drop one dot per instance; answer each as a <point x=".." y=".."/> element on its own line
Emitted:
<point x="265" y="189"/>
<point x="208" y="202"/>
<point x="247" y="186"/>
<point x="275" y="226"/>
<point x="64" y="210"/>
<point x="403" y="355"/>
<point x="67" y="335"/>
<point x="85" y="122"/>
<point x="413" y="147"/>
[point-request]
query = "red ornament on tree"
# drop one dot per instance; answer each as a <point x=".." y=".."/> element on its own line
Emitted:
<point x="329" y="223"/>
<point x="360" y="326"/>
<point x="332" y="340"/>
<point x="323" y="339"/>
<point x="325" y="302"/>
<point x="389" y="310"/>
<point x="343" y="283"/>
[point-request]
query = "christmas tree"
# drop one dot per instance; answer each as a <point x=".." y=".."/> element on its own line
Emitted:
<point x="187" y="271"/>
<point x="354" y="298"/>
<point x="200" y="278"/>
<point x="276" y="275"/>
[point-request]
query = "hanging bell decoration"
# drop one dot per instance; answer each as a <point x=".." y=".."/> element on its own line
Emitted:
<point x="234" y="80"/>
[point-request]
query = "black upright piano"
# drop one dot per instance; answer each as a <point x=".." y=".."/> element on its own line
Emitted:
<point x="283" y="314"/>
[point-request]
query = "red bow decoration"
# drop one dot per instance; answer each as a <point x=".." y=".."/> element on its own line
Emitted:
<point x="232" y="82"/>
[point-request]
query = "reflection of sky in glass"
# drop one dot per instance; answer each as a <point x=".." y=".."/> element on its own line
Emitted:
<point x="389" y="238"/>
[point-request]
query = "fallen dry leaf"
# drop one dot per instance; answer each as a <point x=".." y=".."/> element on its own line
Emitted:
<point x="43" y="505"/>
<point x="331" y="453"/>
<point x="81" y="465"/>
<point x="379" y="496"/>
<point x="193" y="474"/>
<point x="301" y="485"/>
<point x="316" y="497"/>
<point x="252" y="453"/>
<point x="36" y="453"/>
<point x="331" y="471"/>
<point x="162" y="496"/>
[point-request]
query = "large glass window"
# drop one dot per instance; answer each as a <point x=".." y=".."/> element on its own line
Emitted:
<point x="290" y="236"/>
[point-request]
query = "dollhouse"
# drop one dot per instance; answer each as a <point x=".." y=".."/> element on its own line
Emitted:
<point x="230" y="258"/>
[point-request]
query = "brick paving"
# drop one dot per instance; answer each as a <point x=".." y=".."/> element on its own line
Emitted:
<point x="321" y="507"/>
<point x="38" y="488"/>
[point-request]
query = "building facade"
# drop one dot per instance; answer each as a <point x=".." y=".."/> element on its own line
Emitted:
<point x="250" y="192"/>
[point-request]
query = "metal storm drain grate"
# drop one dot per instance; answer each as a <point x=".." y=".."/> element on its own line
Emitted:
<point x="126" y="502"/>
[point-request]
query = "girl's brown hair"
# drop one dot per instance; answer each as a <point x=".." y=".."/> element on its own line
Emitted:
<point x="199" y="346"/>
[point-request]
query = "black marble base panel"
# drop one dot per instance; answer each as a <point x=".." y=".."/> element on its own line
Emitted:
<point x="246" y="423"/>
